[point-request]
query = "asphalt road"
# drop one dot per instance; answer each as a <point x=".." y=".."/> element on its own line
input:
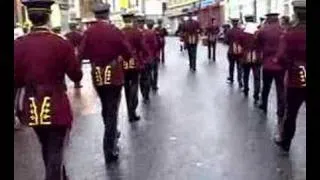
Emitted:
<point x="197" y="127"/>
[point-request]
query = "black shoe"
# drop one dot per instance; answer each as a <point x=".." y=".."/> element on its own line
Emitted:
<point x="155" y="88"/>
<point x="246" y="92"/>
<point x="146" y="100"/>
<point x="230" y="80"/>
<point x="256" y="99"/>
<point x="263" y="108"/>
<point x="112" y="155"/>
<point x="134" y="118"/>
<point x="285" y="147"/>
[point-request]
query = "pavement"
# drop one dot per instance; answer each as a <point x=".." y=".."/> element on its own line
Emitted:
<point x="197" y="127"/>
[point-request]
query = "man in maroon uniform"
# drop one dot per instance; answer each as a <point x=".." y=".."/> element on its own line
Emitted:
<point x="192" y="29"/>
<point x="41" y="61"/>
<point x="212" y="32"/>
<point x="131" y="69"/>
<point x="161" y="34"/>
<point x="252" y="57"/>
<point x="268" y="43"/>
<point x="75" y="37"/>
<point x="153" y="47"/>
<point x="292" y="52"/>
<point x="235" y="51"/>
<point x="105" y="46"/>
<point x="145" y="73"/>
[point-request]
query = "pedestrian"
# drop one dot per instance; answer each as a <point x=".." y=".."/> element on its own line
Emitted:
<point x="132" y="68"/>
<point x="235" y="51"/>
<point x="145" y="77"/>
<point x="285" y="23"/>
<point x="268" y="43"/>
<point x="41" y="61"/>
<point x="212" y="32"/>
<point x="292" y="52"/>
<point x="192" y="30"/>
<point x="251" y="57"/>
<point x="75" y="37"/>
<point x="106" y="48"/>
<point x="154" y="48"/>
<point x="262" y="22"/>
<point x="57" y="30"/>
<point x="161" y="35"/>
<point x="180" y="33"/>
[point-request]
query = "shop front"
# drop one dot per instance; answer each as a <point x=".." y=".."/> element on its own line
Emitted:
<point x="174" y="14"/>
<point x="209" y="9"/>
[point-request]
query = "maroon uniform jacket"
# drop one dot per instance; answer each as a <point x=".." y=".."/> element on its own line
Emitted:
<point x="233" y="39"/>
<point x="153" y="46"/>
<point x="75" y="37"/>
<point x="41" y="61"/>
<point x="106" y="48"/>
<point x="191" y="30"/>
<point x="268" y="39"/>
<point x="292" y="54"/>
<point x="134" y="36"/>
<point x="251" y="53"/>
<point x="212" y="32"/>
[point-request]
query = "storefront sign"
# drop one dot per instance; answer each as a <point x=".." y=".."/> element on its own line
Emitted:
<point x="205" y="3"/>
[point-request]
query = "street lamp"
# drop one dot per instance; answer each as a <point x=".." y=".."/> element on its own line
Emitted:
<point x="240" y="11"/>
<point x="255" y="10"/>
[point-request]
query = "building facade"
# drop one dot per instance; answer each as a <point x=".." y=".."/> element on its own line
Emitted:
<point x="177" y="9"/>
<point x="209" y="9"/>
<point x="74" y="9"/>
<point x="118" y="7"/>
<point x="259" y="8"/>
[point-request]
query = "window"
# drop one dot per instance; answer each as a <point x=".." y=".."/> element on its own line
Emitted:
<point x="286" y="10"/>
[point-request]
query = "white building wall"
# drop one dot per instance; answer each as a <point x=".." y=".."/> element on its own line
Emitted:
<point x="283" y="7"/>
<point x="153" y="7"/>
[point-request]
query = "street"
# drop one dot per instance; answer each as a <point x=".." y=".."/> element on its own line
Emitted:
<point x="197" y="127"/>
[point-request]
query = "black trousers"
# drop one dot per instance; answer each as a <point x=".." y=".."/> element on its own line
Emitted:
<point x="131" y="84"/>
<point x="162" y="52"/>
<point x="256" y="70"/>
<point x="267" y="77"/>
<point x="212" y="50"/>
<point x="192" y="52"/>
<point x="154" y="74"/>
<point x="52" y="140"/>
<point x="110" y="97"/>
<point x="294" y="100"/>
<point x="234" y="59"/>
<point x="145" y="81"/>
